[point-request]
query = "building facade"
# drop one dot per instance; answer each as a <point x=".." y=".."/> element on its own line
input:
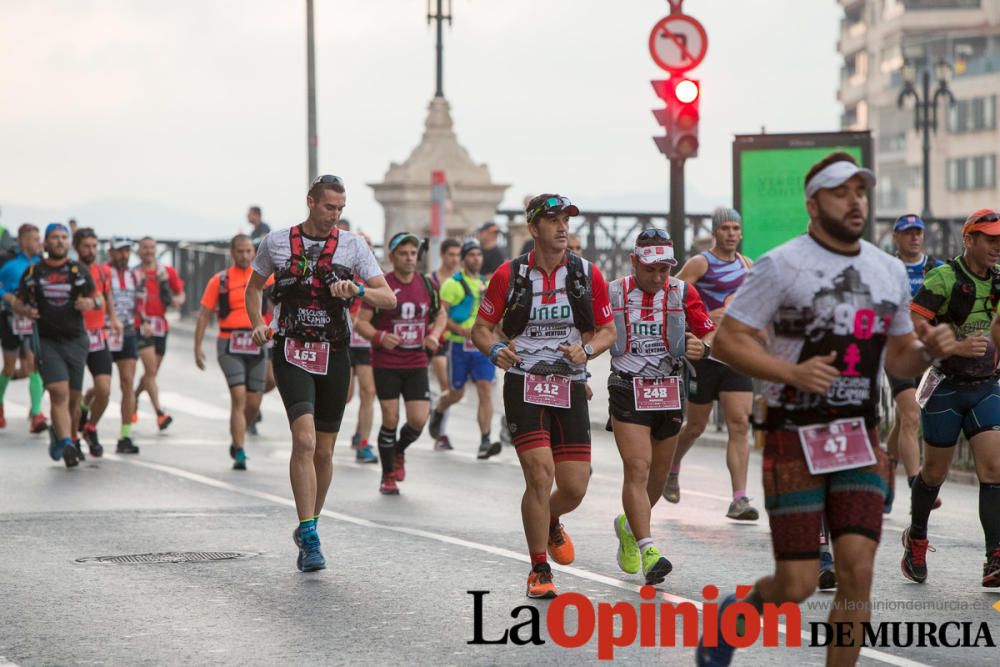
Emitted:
<point x="876" y="38"/>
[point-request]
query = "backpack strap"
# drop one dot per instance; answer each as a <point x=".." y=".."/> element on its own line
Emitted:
<point x="434" y="297"/>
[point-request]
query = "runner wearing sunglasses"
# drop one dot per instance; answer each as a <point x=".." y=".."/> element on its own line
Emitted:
<point x="659" y="320"/>
<point x="314" y="265"/>
<point x="960" y="394"/>
<point x="832" y="307"/>
<point x="553" y="315"/>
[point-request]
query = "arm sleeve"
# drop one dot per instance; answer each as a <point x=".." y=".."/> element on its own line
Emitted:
<point x="494" y="301"/>
<point x="263" y="264"/>
<point x="602" y="304"/>
<point x="695" y="313"/>
<point x="367" y="266"/>
<point x="758" y="298"/>
<point x="210" y="297"/>
<point x="176" y="284"/>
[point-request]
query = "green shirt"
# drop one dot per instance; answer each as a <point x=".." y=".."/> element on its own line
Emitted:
<point x="453" y="294"/>
<point x="934" y="297"/>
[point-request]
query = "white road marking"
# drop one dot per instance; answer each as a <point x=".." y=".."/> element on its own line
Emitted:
<point x="468" y="544"/>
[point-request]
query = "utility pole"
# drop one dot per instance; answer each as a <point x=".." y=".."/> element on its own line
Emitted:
<point x="441" y="16"/>
<point x="311" y="92"/>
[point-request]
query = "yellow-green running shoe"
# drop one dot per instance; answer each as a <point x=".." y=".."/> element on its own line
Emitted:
<point x="629" y="559"/>
<point x="655" y="567"/>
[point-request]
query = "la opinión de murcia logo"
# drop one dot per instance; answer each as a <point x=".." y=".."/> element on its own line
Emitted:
<point x="656" y="625"/>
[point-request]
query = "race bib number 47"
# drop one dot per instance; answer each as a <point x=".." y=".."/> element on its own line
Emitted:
<point x="313" y="358"/>
<point x="840" y="445"/>
<point x="549" y="390"/>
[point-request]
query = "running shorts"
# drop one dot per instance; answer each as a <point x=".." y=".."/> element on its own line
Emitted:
<point x="130" y="347"/>
<point x="662" y="424"/>
<point x="899" y="385"/>
<point x="303" y="393"/>
<point x="10" y="341"/>
<point x="99" y="361"/>
<point x="159" y="342"/>
<point x="361" y="356"/>
<point x="465" y="365"/>
<point x="410" y="383"/>
<point x="954" y="408"/>
<point x="712" y="378"/>
<point x="63" y="359"/>
<point x="249" y="370"/>
<point x="565" y="430"/>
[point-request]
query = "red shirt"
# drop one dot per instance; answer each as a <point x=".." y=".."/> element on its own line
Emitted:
<point x="551" y="321"/>
<point x="410" y="321"/>
<point x="152" y="306"/>
<point x="97" y="318"/>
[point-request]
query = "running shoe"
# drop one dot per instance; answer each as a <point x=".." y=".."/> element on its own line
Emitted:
<point x="3" y="420"/>
<point x="38" y="423"/>
<point x="560" y="546"/>
<point x="672" y="489"/>
<point x="540" y="582"/>
<point x="991" y="570"/>
<point x="655" y="566"/>
<point x="366" y="454"/>
<point x="356" y="441"/>
<point x="163" y="421"/>
<point x="388" y="486"/>
<point x="399" y="467"/>
<point x="914" y="563"/>
<point x="252" y="429"/>
<point x="506" y="439"/>
<point x="488" y="449"/>
<point x="135" y="417"/>
<point x="125" y="446"/>
<point x="742" y="510"/>
<point x="442" y="444"/>
<point x="239" y="456"/>
<point x="93" y="444"/>
<point x="827" y="572"/>
<point x="722" y="654"/>
<point x="310" y="555"/>
<point x="71" y="455"/>
<point x="629" y="558"/>
<point x="55" y="447"/>
<point x="84" y="418"/>
<point x="434" y="427"/>
<point x="79" y="449"/>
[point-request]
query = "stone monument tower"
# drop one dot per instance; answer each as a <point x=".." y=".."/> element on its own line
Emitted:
<point x="405" y="192"/>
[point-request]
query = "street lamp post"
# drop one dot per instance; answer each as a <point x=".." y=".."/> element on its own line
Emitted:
<point x="925" y="113"/>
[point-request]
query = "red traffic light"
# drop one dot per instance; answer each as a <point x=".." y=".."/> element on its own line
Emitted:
<point x="686" y="91"/>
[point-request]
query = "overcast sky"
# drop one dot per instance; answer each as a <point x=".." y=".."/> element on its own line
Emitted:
<point x="133" y="115"/>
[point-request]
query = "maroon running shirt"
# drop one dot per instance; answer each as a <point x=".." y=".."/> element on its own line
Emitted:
<point x="410" y="321"/>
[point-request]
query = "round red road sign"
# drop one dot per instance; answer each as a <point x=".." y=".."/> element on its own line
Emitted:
<point x="678" y="43"/>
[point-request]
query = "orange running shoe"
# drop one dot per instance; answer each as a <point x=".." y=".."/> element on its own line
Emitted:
<point x="135" y="417"/>
<point x="540" y="582"/>
<point x="163" y="421"/>
<point x="560" y="546"/>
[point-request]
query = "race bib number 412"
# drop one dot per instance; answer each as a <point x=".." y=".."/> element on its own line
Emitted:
<point x="549" y="390"/>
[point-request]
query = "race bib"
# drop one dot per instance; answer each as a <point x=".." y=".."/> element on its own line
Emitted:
<point x="313" y="358"/>
<point x="357" y="340"/>
<point x="115" y="340"/>
<point x="549" y="390"/>
<point x="96" y="337"/>
<point x="469" y="346"/>
<point x="410" y="334"/>
<point x="23" y="326"/>
<point x="840" y="445"/>
<point x="241" y="342"/>
<point x="928" y="383"/>
<point x="158" y="326"/>
<point x="653" y="394"/>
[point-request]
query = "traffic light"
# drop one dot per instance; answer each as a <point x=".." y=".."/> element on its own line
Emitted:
<point x="680" y="117"/>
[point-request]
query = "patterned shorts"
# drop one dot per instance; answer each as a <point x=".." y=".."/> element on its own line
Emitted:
<point x="797" y="501"/>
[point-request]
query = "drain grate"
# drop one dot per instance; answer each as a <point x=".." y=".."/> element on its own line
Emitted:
<point x="168" y="557"/>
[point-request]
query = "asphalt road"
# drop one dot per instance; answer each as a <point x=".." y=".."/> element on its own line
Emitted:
<point x="400" y="568"/>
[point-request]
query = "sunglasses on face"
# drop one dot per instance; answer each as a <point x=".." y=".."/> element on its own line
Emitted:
<point x="989" y="217"/>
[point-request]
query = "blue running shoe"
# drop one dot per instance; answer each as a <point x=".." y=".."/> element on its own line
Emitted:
<point x="716" y="656"/>
<point x="310" y="555"/>
<point x="356" y="441"/>
<point x="55" y="446"/>
<point x="365" y="455"/>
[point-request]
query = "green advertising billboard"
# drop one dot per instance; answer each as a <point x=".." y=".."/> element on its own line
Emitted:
<point x="768" y="175"/>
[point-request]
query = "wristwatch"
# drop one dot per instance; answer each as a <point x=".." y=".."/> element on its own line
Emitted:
<point x="708" y="351"/>
<point x="588" y="350"/>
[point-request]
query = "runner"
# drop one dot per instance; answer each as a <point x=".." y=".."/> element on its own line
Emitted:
<point x="574" y="245"/>
<point x="163" y="288"/>
<point x="54" y="293"/>
<point x="960" y="394"/>
<point x="717" y="273"/>
<point x="462" y="294"/>
<point x="908" y="235"/>
<point x="659" y="321"/>
<point x="243" y="362"/>
<point x="127" y="295"/>
<point x="401" y="339"/>
<point x="314" y="266"/>
<point x="831" y="304"/>
<point x="553" y="312"/>
<point x="360" y="351"/>
<point x="91" y="409"/>
<point x="16" y="331"/>
<point x="493" y="255"/>
<point x="450" y="258"/>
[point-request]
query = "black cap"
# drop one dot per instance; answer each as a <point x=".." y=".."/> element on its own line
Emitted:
<point x="469" y="246"/>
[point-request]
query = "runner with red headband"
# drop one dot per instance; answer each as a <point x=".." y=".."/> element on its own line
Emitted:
<point x="553" y="315"/>
<point x="659" y="321"/>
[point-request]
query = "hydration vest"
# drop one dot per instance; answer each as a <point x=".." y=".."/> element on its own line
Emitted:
<point x="520" y="295"/>
<point x="963" y="294"/>
<point x="308" y="310"/>
<point x="461" y="311"/>
<point x="225" y="308"/>
<point x="674" y="316"/>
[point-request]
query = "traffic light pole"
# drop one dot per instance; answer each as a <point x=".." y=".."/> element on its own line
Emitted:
<point x="311" y="92"/>
<point x="677" y="226"/>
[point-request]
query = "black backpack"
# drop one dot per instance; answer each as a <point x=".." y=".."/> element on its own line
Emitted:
<point x="963" y="294"/>
<point x="520" y="295"/>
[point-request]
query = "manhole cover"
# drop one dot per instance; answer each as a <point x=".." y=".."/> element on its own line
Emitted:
<point x="167" y="557"/>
